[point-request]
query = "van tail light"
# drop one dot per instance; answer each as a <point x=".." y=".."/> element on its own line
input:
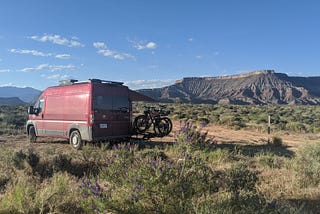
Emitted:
<point x="91" y="119"/>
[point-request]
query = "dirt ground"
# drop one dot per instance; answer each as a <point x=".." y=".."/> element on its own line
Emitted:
<point x="222" y="135"/>
<point x="227" y="135"/>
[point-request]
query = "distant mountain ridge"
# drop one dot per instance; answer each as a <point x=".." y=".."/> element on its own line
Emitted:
<point x="258" y="87"/>
<point x="27" y="94"/>
<point x="11" y="101"/>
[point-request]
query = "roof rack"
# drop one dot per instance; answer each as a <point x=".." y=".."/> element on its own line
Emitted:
<point x="73" y="81"/>
<point x="106" y="81"/>
<point x="67" y="82"/>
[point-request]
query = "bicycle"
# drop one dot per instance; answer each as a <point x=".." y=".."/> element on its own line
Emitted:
<point x="162" y="125"/>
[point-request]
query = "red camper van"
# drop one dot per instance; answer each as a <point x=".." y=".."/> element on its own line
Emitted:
<point x="88" y="111"/>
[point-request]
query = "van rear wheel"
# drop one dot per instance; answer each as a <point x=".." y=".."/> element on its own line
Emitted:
<point x="75" y="140"/>
<point x="32" y="135"/>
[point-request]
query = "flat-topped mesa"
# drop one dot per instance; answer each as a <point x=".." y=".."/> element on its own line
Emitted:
<point x="258" y="72"/>
<point x="258" y="88"/>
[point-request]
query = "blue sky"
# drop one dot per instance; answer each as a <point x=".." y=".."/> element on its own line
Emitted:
<point x="148" y="43"/>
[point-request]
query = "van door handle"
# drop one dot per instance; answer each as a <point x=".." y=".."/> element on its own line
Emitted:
<point x="41" y="116"/>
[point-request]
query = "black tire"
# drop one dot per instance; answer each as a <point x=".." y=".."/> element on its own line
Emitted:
<point x="32" y="134"/>
<point x="75" y="140"/>
<point x="141" y="124"/>
<point x="169" y="124"/>
<point x="163" y="127"/>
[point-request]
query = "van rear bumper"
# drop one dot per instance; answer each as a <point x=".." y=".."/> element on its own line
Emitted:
<point x="87" y="135"/>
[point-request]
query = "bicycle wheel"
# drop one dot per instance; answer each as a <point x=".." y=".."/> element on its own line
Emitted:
<point x="141" y="123"/>
<point x="163" y="127"/>
<point x="169" y="124"/>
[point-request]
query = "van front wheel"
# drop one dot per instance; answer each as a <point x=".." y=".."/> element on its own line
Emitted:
<point x="75" y="140"/>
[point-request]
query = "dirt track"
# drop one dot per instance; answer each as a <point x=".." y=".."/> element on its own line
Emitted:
<point x="220" y="134"/>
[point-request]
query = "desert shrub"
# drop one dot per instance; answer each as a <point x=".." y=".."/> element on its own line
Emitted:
<point x="215" y="156"/>
<point x="191" y="136"/>
<point x="16" y="120"/>
<point x="19" y="198"/>
<point x="6" y="175"/>
<point x="12" y="119"/>
<point x="18" y="159"/>
<point x="62" y="163"/>
<point x="295" y="126"/>
<point x="240" y="178"/>
<point x="241" y="183"/>
<point x="204" y="120"/>
<point x="270" y="160"/>
<point x="307" y="165"/>
<point x="28" y="161"/>
<point x="138" y="183"/>
<point x="52" y="196"/>
<point x="32" y="158"/>
<point x="58" y="196"/>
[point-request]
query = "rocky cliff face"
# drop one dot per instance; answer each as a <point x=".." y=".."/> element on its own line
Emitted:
<point x="259" y="87"/>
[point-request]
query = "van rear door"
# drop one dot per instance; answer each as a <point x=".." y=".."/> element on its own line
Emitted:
<point x="121" y="115"/>
<point x="111" y="108"/>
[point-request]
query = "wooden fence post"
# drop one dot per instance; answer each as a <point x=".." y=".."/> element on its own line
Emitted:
<point x="269" y="128"/>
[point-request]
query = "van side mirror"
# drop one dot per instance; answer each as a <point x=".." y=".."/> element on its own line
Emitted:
<point x="31" y="110"/>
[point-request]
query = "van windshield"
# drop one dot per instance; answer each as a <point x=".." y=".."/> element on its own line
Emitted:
<point x="103" y="102"/>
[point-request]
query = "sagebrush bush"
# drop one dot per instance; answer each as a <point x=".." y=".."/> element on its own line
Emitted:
<point x="270" y="160"/>
<point x="56" y="196"/>
<point x="62" y="163"/>
<point x="18" y="159"/>
<point x="133" y="182"/>
<point x="307" y="165"/>
<point x="192" y="136"/>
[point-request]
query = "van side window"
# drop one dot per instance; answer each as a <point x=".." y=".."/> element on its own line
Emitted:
<point x="120" y="102"/>
<point x="102" y="103"/>
<point x="39" y="105"/>
<point x="110" y="102"/>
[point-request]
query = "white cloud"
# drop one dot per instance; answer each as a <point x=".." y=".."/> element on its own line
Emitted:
<point x="39" y="53"/>
<point x="32" y="52"/>
<point x="101" y="45"/>
<point x="144" y="84"/>
<point x="4" y="70"/>
<point x="190" y="40"/>
<point x="140" y="45"/>
<point x="56" y="77"/>
<point x="151" y="45"/>
<point x="63" y="56"/>
<point x="122" y="56"/>
<point x="103" y="50"/>
<point x="199" y="56"/>
<point x="50" y="68"/>
<point x="106" y="52"/>
<point x="59" y="40"/>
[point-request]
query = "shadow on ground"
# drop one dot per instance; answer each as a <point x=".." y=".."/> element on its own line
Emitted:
<point x="252" y="150"/>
